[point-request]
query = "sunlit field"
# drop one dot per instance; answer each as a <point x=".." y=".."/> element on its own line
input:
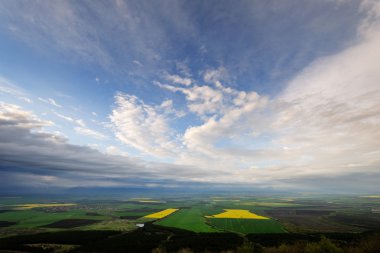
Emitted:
<point x="237" y="214"/>
<point x="162" y="214"/>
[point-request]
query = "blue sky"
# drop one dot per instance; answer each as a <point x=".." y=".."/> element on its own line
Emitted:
<point x="256" y="94"/>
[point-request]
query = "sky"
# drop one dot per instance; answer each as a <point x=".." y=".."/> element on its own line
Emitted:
<point x="257" y="95"/>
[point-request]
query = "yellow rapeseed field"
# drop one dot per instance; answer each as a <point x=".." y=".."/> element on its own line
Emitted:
<point x="162" y="214"/>
<point x="237" y="214"/>
<point x="30" y="206"/>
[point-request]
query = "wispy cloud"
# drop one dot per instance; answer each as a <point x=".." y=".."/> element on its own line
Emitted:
<point x="84" y="32"/>
<point x="178" y="79"/>
<point x="81" y="127"/>
<point x="89" y="132"/>
<point x="8" y="87"/>
<point x="67" y="118"/>
<point x="50" y="101"/>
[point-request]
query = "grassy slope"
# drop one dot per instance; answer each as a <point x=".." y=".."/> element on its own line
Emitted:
<point x="118" y="225"/>
<point x="247" y="226"/>
<point x="190" y="219"/>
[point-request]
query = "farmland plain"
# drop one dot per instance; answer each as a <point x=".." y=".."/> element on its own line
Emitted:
<point x="193" y="218"/>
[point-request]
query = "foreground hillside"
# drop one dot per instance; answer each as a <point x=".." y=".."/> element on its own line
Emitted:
<point x="159" y="239"/>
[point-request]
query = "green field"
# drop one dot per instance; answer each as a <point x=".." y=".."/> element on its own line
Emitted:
<point x="189" y="219"/>
<point x="117" y="225"/>
<point x="247" y="226"/>
<point x="33" y="218"/>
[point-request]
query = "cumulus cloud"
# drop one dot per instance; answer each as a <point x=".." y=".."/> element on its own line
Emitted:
<point x="179" y="80"/>
<point x="215" y="75"/>
<point x="143" y="126"/>
<point x="203" y="100"/>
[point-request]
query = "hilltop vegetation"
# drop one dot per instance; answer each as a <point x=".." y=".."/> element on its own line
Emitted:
<point x="157" y="239"/>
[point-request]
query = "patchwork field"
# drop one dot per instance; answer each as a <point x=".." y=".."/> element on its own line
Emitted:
<point x="190" y="219"/>
<point x="238" y="214"/>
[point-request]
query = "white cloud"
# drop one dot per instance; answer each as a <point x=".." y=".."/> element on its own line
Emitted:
<point x="178" y="80"/>
<point x="80" y="122"/>
<point x="136" y="62"/>
<point x="89" y="132"/>
<point x="82" y="129"/>
<point x="8" y="87"/>
<point x="331" y="111"/>
<point x="21" y="118"/>
<point x="236" y="121"/>
<point x="183" y="68"/>
<point x="50" y="101"/>
<point x="202" y="100"/>
<point x="168" y="108"/>
<point x="212" y="101"/>
<point x="142" y="126"/>
<point x="215" y="75"/>
<point x="27" y="100"/>
<point x="67" y="118"/>
<point x="112" y="150"/>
